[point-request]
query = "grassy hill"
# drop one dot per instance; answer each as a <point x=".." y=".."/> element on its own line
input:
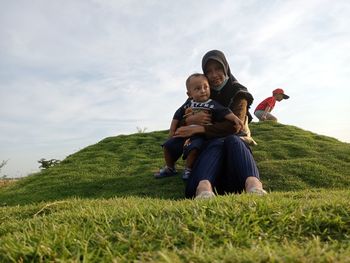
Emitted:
<point x="288" y="158"/>
<point x="103" y="204"/>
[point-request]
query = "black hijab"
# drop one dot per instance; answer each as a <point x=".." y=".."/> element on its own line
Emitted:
<point x="232" y="88"/>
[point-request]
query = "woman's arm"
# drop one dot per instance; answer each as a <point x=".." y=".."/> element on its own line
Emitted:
<point x="188" y="131"/>
<point x="200" y="118"/>
<point x="225" y="128"/>
<point x="220" y="129"/>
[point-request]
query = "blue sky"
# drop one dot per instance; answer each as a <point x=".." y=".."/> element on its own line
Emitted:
<point x="75" y="72"/>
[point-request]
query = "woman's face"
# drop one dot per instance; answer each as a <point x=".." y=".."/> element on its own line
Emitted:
<point x="215" y="73"/>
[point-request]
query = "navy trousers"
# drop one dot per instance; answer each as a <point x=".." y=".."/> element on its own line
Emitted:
<point x="226" y="163"/>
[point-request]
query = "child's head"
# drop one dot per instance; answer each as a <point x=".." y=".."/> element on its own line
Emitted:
<point x="198" y="87"/>
<point x="279" y="94"/>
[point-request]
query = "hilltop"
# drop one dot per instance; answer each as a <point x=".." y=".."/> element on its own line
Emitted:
<point x="289" y="159"/>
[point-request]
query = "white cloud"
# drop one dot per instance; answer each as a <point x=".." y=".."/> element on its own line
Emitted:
<point x="74" y="72"/>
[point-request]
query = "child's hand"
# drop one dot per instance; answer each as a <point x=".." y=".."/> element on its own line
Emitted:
<point x="239" y="124"/>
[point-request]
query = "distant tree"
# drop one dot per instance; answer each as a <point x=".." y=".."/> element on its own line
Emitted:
<point x="141" y="130"/>
<point x="44" y="164"/>
<point x="2" y="164"/>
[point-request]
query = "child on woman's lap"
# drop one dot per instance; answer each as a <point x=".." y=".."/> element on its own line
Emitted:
<point x="199" y="92"/>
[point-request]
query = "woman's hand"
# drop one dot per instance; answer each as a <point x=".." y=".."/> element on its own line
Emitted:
<point x="188" y="131"/>
<point x="200" y="118"/>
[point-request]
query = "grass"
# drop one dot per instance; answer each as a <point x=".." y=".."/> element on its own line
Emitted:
<point x="103" y="204"/>
<point x="279" y="227"/>
<point x="289" y="159"/>
<point x="116" y="166"/>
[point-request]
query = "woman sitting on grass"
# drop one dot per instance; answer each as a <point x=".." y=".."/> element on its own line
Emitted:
<point x="198" y="91"/>
<point x="226" y="164"/>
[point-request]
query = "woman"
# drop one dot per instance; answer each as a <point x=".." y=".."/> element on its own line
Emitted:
<point x="226" y="164"/>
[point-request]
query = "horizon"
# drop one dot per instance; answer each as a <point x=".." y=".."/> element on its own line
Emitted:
<point x="74" y="74"/>
<point x="137" y="130"/>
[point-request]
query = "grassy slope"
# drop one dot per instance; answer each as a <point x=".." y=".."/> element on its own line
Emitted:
<point x="288" y="158"/>
<point x="299" y="226"/>
<point x="147" y="220"/>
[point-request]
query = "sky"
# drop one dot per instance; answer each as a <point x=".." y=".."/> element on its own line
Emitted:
<point x="73" y="72"/>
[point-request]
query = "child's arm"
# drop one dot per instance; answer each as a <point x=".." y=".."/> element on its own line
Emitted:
<point x="173" y="127"/>
<point x="238" y="123"/>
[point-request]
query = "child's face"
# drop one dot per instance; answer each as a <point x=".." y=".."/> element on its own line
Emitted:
<point x="279" y="97"/>
<point x="215" y="73"/>
<point x="198" y="89"/>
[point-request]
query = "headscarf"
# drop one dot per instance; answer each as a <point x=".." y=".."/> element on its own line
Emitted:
<point x="232" y="87"/>
<point x="218" y="56"/>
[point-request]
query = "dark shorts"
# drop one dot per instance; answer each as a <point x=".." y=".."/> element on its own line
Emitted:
<point x="177" y="147"/>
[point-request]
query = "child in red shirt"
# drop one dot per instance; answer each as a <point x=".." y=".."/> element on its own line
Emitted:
<point x="262" y="111"/>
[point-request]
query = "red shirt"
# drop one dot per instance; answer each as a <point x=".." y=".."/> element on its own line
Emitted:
<point x="268" y="102"/>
